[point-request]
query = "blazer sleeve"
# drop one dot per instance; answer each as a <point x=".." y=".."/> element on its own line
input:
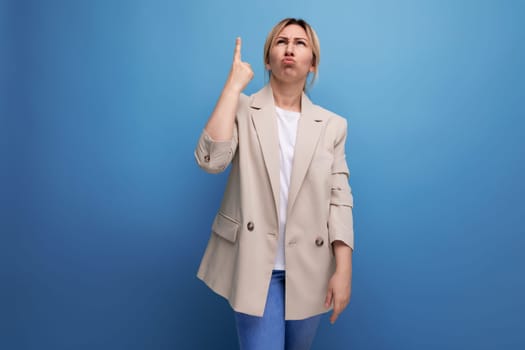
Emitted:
<point x="340" y="221"/>
<point x="214" y="156"/>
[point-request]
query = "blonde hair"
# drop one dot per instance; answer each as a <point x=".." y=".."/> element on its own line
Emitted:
<point x="310" y="33"/>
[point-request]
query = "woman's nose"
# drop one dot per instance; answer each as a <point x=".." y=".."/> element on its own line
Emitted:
<point x="289" y="49"/>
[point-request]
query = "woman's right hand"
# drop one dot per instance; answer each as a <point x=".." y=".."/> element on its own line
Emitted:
<point x="241" y="72"/>
<point x="222" y="121"/>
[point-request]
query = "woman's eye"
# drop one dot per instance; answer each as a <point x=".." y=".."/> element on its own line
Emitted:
<point x="301" y="43"/>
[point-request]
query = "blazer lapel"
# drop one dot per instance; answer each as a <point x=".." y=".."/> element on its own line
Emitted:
<point x="264" y="119"/>
<point x="265" y="123"/>
<point x="311" y="124"/>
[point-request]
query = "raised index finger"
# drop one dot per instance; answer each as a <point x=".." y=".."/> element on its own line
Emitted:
<point x="237" y="52"/>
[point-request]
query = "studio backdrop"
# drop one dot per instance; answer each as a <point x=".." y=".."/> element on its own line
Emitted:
<point x="105" y="214"/>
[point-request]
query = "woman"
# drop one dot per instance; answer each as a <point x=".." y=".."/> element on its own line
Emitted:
<point x="281" y="244"/>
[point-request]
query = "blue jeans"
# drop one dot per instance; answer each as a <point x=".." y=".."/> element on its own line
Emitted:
<point x="271" y="331"/>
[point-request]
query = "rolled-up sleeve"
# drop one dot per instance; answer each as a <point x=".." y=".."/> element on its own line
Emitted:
<point x="214" y="156"/>
<point x="340" y="222"/>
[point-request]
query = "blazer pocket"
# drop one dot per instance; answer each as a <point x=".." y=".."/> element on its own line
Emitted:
<point x="225" y="227"/>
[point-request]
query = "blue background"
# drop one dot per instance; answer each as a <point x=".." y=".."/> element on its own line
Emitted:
<point x="105" y="214"/>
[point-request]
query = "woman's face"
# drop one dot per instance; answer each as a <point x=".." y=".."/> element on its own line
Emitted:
<point x="291" y="56"/>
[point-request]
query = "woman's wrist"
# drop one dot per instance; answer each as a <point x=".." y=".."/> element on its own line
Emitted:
<point x="343" y="257"/>
<point x="232" y="89"/>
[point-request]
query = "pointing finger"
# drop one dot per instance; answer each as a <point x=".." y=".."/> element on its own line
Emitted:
<point x="237" y="52"/>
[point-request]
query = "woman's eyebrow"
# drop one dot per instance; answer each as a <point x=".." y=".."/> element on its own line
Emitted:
<point x="296" y="38"/>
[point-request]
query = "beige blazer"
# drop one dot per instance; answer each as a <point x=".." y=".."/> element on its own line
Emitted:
<point x="240" y="255"/>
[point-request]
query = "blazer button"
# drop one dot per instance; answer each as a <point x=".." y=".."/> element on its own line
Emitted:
<point x="207" y="158"/>
<point x="250" y="226"/>
<point x="319" y="241"/>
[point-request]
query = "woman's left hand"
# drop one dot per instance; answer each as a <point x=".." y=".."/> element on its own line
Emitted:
<point x="339" y="289"/>
<point x="340" y="285"/>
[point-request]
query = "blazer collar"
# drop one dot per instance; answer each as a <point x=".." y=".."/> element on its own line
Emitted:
<point x="311" y="123"/>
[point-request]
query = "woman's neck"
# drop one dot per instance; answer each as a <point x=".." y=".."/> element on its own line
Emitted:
<point x="287" y="96"/>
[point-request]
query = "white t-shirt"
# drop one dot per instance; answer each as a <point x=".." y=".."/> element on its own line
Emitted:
<point x="287" y="122"/>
